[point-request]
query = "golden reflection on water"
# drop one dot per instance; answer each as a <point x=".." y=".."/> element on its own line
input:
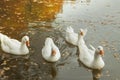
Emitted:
<point x="16" y="14"/>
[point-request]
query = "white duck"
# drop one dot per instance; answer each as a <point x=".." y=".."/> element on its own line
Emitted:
<point x="13" y="46"/>
<point x="71" y="36"/>
<point x="50" y="51"/>
<point x="91" y="58"/>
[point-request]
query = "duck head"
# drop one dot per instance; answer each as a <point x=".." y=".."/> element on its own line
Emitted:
<point x="100" y="50"/>
<point x="48" y="41"/>
<point x="25" y="39"/>
<point x="83" y="32"/>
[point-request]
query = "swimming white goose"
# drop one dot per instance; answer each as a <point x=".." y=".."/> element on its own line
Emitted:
<point x="50" y="51"/>
<point x="13" y="46"/>
<point x="91" y="58"/>
<point x="71" y="36"/>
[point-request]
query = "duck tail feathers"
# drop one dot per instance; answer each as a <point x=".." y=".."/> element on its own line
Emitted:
<point x="69" y="29"/>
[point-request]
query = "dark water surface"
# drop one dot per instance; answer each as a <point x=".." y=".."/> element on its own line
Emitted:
<point x="49" y="18"/>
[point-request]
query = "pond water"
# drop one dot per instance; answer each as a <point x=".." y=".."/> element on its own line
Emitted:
<point x="49" y="18"/>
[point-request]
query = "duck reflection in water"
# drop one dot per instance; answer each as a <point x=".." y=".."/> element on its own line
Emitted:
<point x="96" y="73"/>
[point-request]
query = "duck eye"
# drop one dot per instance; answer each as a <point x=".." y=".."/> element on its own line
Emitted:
<point x="98" y="48"/>
<point x="25" y="39"/>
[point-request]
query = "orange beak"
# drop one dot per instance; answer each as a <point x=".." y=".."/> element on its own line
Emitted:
<point x="53" y="53"/>
<point x="81" y="33"/>
<point x="28" y="43"/>
<point x="101" y="52"/>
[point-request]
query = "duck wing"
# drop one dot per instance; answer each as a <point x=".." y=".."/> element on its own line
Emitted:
<point x="86" y="56"/>
<point x="10" y="43"/>
<point x="71" y="36"/>
<point x="92" y="50"/>
<point x="15" y="41"/>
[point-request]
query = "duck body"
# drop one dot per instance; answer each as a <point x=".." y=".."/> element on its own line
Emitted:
<point x="90" y="57"/>
<point x="71" y="37"/>
<point x="13" y="46"/>
<point x="49" y="49"/>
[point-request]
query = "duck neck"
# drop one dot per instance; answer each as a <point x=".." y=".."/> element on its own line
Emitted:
<point x="23" y="45"/>
<point x="80" y="39"/>
<point x="97" y="56"/>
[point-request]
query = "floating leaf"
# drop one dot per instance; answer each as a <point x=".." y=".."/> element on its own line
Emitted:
<point x="6" y="68"/>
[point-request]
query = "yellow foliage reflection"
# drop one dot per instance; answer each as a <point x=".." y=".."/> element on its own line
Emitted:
<point x="18" y="13"/>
